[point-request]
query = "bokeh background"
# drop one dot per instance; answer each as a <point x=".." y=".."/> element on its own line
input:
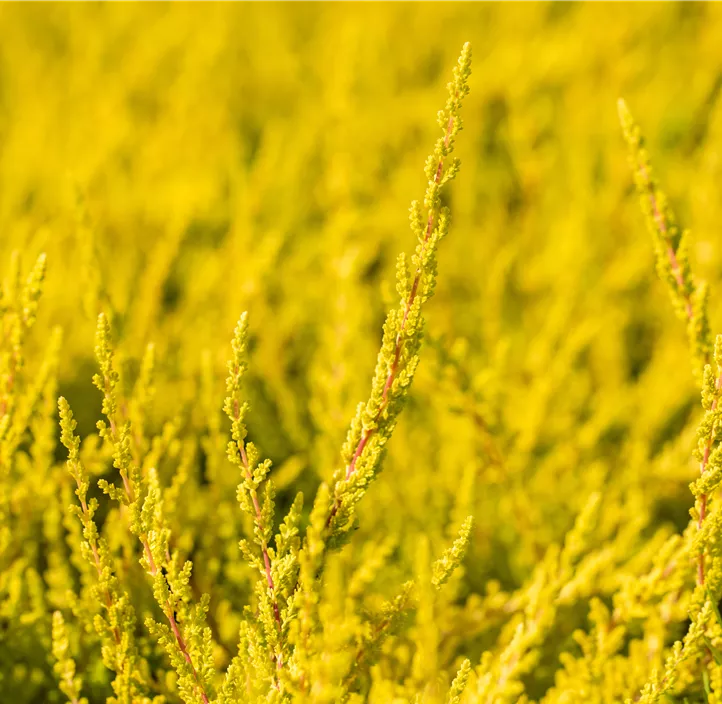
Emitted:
<point x="182" y="163"/>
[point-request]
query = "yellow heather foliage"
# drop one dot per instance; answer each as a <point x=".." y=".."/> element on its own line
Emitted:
<point x="192" y="501"/>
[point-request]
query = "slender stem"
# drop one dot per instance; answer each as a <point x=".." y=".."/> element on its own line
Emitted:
<point x="671" y="254"/>
<point x="169" y="614"/>
<point x="167" y="608"/>
<point x="98" y="566"/>
<point x="702" y="509"/>
<point x="684" y="292"/>
<point x="398" y="347"/>
<point x="264" y="545"/>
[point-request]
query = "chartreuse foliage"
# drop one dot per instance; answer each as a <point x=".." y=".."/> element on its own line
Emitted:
<point x="690" y="298"/>
<point x="697" y="655"/>
<point x="194" y="514"/>
<point x="284" y="644"/>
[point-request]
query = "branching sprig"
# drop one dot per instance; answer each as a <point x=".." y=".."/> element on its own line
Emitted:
<point x="690" y="300"/>
<point x="255" y="495"/>
<point x="398" y="357"/>
<point x="689" y="296"/>
<point x="333" y="514"/>
<point x="185" y="638"/>
<point x="708" y="451"/>
<point x="116" y="629"/>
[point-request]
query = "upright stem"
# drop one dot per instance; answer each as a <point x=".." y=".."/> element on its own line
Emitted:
<point x="98" y="566"/>
<point x="167" y="608"/>
<point x="393" y="371"/>
<point x="264" y="546"/>
<point x="702" y="508"/>
<point x="689" y="311"/>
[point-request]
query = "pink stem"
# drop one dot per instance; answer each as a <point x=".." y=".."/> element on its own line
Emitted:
<point x="367" y="434"/>
<point x="264" y="547"/>
<point x="168" y="610"/>
<point x="677" y="273"/>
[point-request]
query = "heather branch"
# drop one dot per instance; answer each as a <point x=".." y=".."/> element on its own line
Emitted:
<point x="118" y="608"/>
<point x="119" y="437"/>
<point x="333" y="512"/>
<point x="690" y="301"/>
<point x="403" y="330"/>
<point x="398" y="344"/>
<point x="689" y="297"/>
<point x="254" y="474"/>
<point x="709" y="458"/>
<point x="702" y="498"/>
<point x="261" y="527"/>
<point x="260" y="524"/>
<point x="90" y="532"/>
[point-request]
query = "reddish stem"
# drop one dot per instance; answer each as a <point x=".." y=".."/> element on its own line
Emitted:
<point x="393" y="371"/>
<point x="98" y="567"/>
<point x="671" y="254"/>
<point x="703" y="497"/>
<point x="677" y="273"/>
<point x="264" y="546"/>
<point x="167" y="609"/>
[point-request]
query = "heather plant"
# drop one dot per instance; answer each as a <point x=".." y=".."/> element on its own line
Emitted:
<point x="355" y="492"/>
<point x="284" y="650"/>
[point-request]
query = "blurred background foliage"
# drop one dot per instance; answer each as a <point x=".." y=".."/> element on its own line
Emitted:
<point x="182" y="163"/>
